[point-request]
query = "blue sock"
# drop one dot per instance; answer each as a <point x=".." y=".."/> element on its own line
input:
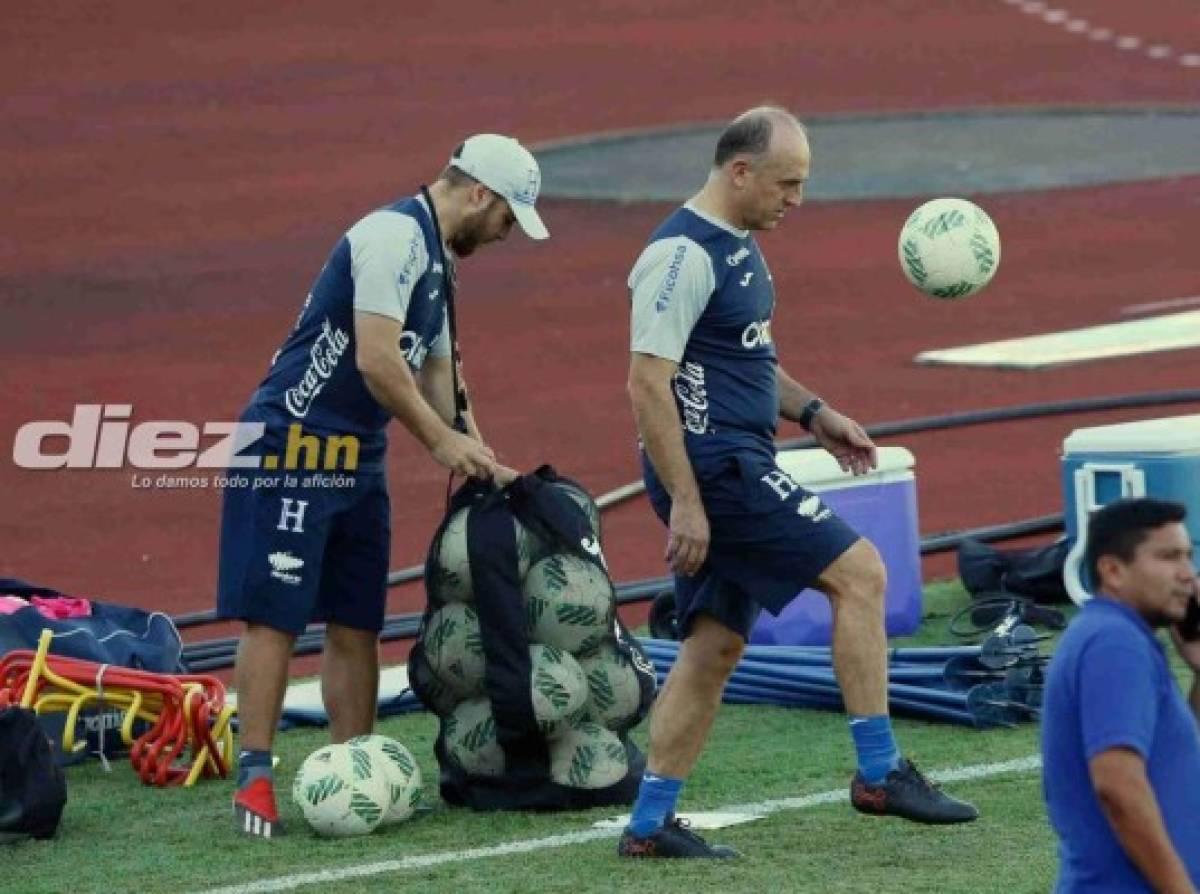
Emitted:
<point x="878" y="753"/>
<point x="253" y="765"/>
<point x="656" y="798"/>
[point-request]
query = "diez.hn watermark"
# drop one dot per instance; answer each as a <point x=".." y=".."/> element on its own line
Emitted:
<point x="101" y="436"/>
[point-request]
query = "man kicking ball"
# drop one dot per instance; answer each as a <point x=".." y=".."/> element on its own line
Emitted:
<point x="707" y="392"/>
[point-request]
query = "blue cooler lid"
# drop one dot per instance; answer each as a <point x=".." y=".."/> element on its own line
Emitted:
<point x="1172" y="435"/>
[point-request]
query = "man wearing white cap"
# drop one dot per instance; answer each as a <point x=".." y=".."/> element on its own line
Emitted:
<point x="374" y="341"/>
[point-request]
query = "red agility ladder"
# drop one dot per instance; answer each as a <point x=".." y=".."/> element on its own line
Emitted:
<point x="186" y="712"/>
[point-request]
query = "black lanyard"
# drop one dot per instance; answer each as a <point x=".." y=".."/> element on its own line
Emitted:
<point x="449" y="285"/>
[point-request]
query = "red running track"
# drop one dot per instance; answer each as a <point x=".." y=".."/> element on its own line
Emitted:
<point x="176" y="176"/>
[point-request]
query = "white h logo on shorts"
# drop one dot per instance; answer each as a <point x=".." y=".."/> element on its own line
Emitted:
<point x="781" y="482"/>
<point x="287" y="513"/>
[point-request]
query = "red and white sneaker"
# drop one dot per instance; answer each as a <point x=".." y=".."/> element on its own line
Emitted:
<point x="254" y="811"/>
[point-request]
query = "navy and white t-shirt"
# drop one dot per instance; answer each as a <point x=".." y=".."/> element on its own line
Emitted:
<point x="387" y="264"/>
<point x="702" y="296"/>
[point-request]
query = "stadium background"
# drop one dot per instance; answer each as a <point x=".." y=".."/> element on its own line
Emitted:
<point x="175" y="175"/>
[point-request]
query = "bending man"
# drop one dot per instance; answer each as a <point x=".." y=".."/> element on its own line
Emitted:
<point x="372" y="343"/>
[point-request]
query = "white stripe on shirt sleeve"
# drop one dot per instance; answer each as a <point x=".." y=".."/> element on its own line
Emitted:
<point x="670" y="286"/>
<point x="387" y="257"/>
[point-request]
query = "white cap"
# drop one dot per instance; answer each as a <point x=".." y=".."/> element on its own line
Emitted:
<point x="508" y="169"/>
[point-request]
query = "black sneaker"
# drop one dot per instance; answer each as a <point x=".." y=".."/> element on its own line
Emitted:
<point x="674" y="839"/>
<point x="906" y="793"/>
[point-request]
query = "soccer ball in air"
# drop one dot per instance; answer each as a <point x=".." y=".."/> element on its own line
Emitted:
<point x="949" y="248"/>
<point x="401" y="771"/>
<point x="341" y="791"/>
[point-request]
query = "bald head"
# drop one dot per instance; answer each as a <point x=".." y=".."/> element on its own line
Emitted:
<point x="759" y="169"/>
<point x="750" y="134"/>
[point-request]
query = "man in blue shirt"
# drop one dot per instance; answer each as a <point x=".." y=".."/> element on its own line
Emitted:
<point x="374" y="341"/>
<point x="707" y="392"/>
<point x="1120" y="743"/>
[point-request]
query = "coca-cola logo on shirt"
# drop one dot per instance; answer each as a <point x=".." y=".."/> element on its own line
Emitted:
<point x="324" y="355"/>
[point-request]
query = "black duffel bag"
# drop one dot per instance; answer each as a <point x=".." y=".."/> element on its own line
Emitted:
<point x="120" y="635"/>
<point x="33" y="790"/>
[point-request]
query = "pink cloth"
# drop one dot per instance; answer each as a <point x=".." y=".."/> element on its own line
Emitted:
<point x="60" y="608"/>
<point x="10" y="604"/>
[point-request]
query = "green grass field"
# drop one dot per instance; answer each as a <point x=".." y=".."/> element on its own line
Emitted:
<point x="118" y="835"/>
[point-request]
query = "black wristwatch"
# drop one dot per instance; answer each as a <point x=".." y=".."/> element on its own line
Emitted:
<point x="811" y="409"/>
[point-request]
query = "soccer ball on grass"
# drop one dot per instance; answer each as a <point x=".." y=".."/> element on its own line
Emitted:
<point x="401" y="771"/>
<point x="341" y="792"/>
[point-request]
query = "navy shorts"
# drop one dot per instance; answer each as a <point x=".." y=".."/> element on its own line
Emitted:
<point x="770" y="539"/>
<point x="293" y="555"/>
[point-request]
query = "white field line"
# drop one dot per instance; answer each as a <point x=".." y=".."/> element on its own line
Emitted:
<point x="424" y="861"/>
<point x="1062" y="18"/>
<point x="1153" y="307"/>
